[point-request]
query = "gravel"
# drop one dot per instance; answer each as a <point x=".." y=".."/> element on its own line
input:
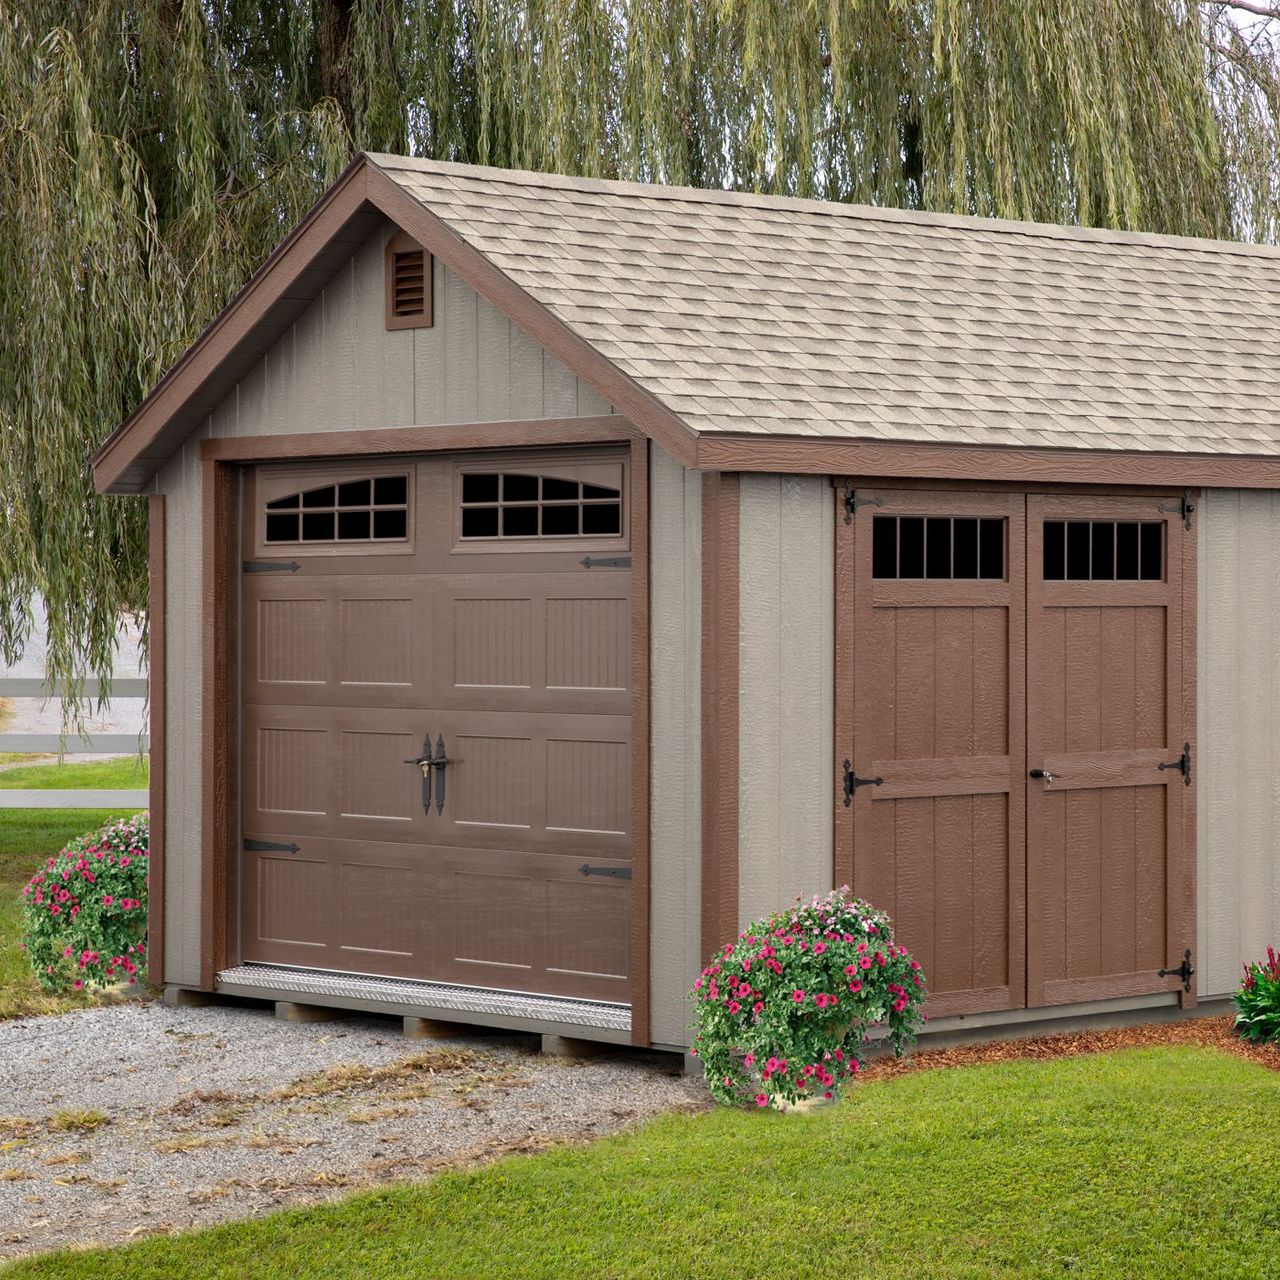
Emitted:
<point x="139" y="1119"/>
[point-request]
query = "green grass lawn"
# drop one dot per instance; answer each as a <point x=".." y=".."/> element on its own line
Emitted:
<point x="27" y="838"/>
<point x="125" y="773"/>
<point x="1146" y="1163"/>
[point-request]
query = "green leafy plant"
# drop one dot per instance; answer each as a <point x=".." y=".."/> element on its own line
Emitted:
<point x="86" y="911"/>
<point x="1258" y="1000"/>
<point x="785" y="1012"/>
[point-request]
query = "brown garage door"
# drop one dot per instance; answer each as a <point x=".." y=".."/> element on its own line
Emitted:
<point x="983" y="636"/>
<point x="475" y="610"/>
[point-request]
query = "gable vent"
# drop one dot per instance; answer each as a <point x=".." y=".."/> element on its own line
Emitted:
<point x="408" y="284"/>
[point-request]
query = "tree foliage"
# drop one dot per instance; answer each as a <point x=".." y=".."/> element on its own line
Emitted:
<point x="153" y="151"/>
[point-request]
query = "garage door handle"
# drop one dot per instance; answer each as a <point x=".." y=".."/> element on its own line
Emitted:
<point x="430" y="764"/>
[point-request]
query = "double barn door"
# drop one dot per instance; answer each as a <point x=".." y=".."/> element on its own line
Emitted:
<point x="1013" y="692"/>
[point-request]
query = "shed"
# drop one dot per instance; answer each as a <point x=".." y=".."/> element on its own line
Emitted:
<point x="551" y="574"/>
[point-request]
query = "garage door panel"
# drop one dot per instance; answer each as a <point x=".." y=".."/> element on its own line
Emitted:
<point x="533" y="642"/>
<point x="330" y="639"/>
<point x="515" y="660"/>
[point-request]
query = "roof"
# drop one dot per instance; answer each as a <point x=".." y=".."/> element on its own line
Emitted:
<point x="756" y="317"/>
<point x="771" y="315"/>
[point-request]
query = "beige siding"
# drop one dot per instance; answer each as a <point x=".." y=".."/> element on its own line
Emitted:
<point x="1238" y="792"/>
<point x="786" y="699"/>
<point x="336" y="369"/>
<point x="675" y="548"/>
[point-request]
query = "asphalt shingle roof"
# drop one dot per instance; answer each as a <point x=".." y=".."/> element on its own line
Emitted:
<point x="773" y="316"/>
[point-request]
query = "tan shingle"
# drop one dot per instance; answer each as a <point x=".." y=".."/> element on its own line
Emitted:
<point x="763" y="315"/>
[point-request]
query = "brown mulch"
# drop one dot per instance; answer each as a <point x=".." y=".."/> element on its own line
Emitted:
<point x="1203" y="1033"/>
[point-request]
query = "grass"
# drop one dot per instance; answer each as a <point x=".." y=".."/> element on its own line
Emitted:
<point x="124" y="773"/>
<point x="1149" y="1162"/>
<point x="27" y="838"/>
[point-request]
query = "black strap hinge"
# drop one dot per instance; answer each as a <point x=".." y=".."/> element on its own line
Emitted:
<point x="270" y="846"/>
<point x="618" y="873"/>
<point x="1182" y="764"/>
<point x="605" y="562"/>
<point x="1184" y="508"/>
<point x="852" y="782"/>
<point x="852" y="502"/>
<point x="271" y="566"/>
<point x="1183" y="971"/>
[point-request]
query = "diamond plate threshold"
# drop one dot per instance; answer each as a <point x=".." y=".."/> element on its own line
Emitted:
<point x="280" y="981"/>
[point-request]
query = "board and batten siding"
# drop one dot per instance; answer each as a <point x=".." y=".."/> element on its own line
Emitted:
<point x="786" y="690"/>
<point x="675" y="770"/>
<point x="336" y="369"/>
<point x="1238" y="789"/>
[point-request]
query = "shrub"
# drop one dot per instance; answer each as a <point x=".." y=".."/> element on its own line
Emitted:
<point x="784" y="1012"/>
<point x="86" y="912"/>
<point x="1258" y="1000"/>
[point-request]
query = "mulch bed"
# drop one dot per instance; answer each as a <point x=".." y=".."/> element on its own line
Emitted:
<point x="1205" y="1033"/>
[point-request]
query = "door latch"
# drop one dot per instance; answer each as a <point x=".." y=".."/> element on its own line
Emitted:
<point x="1043" y="775"/>
<point x="1182" y="764"/>
<point x="852" y="782"/>
<point x="431" y="764"/>
<point x="1183" y="971"/>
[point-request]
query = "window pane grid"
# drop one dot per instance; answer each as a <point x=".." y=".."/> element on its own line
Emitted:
<point x="1103" y="550"/>
<point x="938" y="548"/>
<point x="367" y="509"/>
<point x="496" y="505"/>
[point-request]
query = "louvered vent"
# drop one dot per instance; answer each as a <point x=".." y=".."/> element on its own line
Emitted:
<point x="408" y="283"/>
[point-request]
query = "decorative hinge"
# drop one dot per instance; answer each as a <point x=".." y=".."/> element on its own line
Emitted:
<point x="852" y="782"/>
<point x="1184" y="508"/>
<point x="270" y="846"/>
<point x="852" y="502"/>
<point x="271" y="566"/>
<point x="1183" y="971"/>
<point x="618" y="873"/>
<point x="1182" y="764"/>
<point x="605" y="562"/>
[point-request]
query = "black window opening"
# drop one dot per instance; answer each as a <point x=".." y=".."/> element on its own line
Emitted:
<point x="369" y="509"/>
<point x="955" y="548"/>
<point x="513" y="504"/>
<point x="1103" y="550"/>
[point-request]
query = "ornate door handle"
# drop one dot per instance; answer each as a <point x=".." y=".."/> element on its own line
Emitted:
<point x="430" y="764"/>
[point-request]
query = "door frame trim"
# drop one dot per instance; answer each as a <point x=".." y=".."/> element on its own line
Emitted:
<point x="1183" y="881"/>
<point x="220" y="704"/>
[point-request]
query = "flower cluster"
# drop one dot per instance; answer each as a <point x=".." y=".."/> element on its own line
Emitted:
<point x="1258" y="1000"/>
<point x="86" y="911"/>
<point x="784" y="1012"/>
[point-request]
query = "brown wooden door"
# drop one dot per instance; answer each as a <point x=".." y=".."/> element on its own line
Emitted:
<point x="493" y="617"/>
<point x="934" y="650"/>
<point x="1106" y="852"/>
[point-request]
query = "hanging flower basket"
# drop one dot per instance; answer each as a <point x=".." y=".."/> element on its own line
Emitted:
<point x="785" y="1012"/>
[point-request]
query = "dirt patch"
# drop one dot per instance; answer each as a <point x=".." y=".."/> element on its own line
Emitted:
<point x="1206" y="1033"/>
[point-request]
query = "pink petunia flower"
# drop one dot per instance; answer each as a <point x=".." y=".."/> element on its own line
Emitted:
<point x="762" y="1100"/>
<point x="798" y="996"/>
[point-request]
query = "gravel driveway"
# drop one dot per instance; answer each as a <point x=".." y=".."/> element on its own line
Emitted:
<point x="140" y="1119"/>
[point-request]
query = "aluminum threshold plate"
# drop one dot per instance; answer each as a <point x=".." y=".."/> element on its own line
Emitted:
<point x="435" y="995"/>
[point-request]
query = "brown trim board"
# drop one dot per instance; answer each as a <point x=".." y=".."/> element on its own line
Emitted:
<point x="156" y="667"/>
<point x="720" y="682"/>
<point x="596" y="429"/>
<point x="640" y="861"/>
<point x="1015" y="464"/>
<point x="218" y="791"/>
<point x="1186" y="887"/>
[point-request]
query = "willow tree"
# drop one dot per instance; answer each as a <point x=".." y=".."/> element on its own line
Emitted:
<point x="153" y="151"/>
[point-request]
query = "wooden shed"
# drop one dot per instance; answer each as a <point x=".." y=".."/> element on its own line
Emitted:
<point x="551" y="574"/>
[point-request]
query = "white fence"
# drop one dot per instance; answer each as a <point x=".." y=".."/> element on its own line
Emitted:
<point x="75" y="745"/>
